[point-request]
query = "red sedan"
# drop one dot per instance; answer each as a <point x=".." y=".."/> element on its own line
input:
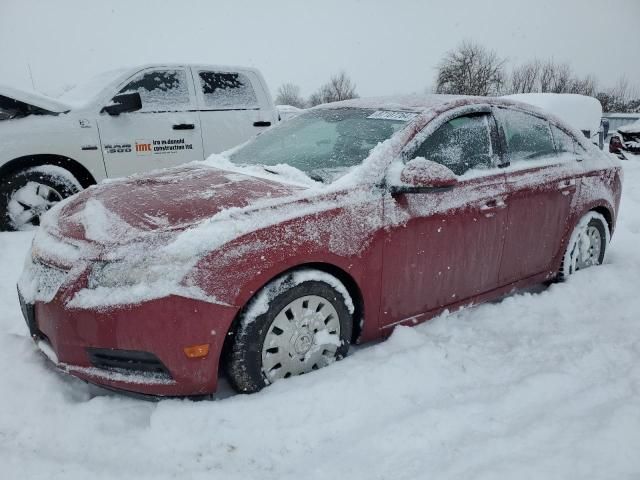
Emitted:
<point x="329" y="229"/>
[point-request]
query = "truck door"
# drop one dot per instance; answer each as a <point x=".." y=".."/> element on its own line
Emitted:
<point x="164" y="133"/>
<point x="233" y="107"/>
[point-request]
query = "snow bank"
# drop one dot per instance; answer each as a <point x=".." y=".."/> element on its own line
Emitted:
<point x="545" y="382"/>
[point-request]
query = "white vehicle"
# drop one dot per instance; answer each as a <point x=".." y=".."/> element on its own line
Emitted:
<point x="122" y="122"/>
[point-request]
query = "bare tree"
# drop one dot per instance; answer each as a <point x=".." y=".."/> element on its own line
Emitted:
<point x="289" y="94"/>
<point x="339" y="87"/>
<point x="620" y="98"/>
<point x="524" y="78"/>
<point x="549" y="76"/>
<point x="470" y="69"/>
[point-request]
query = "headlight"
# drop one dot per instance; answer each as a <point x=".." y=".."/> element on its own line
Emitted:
<point x="126" y="273"/>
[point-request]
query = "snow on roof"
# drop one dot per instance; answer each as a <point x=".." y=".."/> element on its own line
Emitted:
<point x="417" y="103"/>
<point x="579" y="111"/>
<point x="630" y="127"/>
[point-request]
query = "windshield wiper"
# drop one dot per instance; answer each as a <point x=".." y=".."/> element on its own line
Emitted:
<point x="312" y="176"/>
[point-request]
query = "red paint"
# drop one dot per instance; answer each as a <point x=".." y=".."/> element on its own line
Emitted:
<point x="474" y="242"/>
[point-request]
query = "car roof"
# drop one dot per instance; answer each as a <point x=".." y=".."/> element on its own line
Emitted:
<point x="413" y="103"/>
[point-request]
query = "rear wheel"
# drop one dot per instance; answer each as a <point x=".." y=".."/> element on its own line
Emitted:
<point x="298" y="328"/>
<point x="26" y="195"/>
<point x="587" y="244"/>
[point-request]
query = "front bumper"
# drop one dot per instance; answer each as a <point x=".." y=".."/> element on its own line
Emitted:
<point x="129" y="338"/>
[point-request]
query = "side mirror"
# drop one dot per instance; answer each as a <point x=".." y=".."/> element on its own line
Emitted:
<point x="422" y="176"/>
<point x="123" y="103"/>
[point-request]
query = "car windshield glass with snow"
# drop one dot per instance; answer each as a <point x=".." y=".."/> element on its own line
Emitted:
<point x="323" y="143"/>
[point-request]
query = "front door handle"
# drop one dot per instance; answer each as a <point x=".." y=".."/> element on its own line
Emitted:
<point x="261" y="124"/>
<point x="184" y="126"/>
<point x="490" y="205"/>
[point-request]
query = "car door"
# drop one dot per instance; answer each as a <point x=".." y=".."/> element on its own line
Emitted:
<point x="445" y="246"/>
<point x="232" y="107"/>
<point x="541" y="184"/>
<point x="164" y="133"/>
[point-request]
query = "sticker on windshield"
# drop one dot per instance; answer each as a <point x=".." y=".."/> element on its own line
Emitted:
<point x="389" y="115"/>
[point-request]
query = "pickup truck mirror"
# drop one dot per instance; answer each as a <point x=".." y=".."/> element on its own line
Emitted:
<point x="422" y="176"/>
<point x="123" y="103"/>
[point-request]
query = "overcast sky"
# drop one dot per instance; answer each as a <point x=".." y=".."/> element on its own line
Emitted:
<point x="387" y="47"/>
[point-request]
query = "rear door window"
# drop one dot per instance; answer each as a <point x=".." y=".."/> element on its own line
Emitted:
<point x="161" y="90"/>
<point x="227" y="91"/>
<point x="461" y="144"/>
<point x="565" y="144"/>
<point x="527" y="137"/>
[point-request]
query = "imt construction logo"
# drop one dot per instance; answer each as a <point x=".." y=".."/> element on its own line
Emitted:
<point x="143" y="147"/>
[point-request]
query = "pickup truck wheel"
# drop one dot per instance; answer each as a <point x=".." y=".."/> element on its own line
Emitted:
<point x="28" y="194"/>
<point x="299" y="328"/>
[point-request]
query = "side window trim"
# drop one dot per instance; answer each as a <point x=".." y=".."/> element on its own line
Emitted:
<point x="188" y="79"/>
<point x="504" y="142"/>
<point x="409" y="150"/>
<point x="495" y="146"/>
<point x="201" y="103"/>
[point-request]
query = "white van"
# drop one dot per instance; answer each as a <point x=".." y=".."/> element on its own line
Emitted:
<point x="122" y="122"/>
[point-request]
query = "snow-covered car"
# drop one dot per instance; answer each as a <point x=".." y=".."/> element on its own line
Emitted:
<point x="331" y="228"/>
<point x="627" y="141"/>
<point x="122" y="122"/>
<point x="582" y="112"/>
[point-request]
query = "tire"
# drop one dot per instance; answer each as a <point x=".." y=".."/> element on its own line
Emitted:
<point x="587" y="245"/>
<point x="27" y="194"/>
<point x="290" y="328"/>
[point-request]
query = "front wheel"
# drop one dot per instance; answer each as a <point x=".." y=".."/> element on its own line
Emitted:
<point x="295" y="325"/>
<point x="26" y="195"/>
<point x="587" y="244"/>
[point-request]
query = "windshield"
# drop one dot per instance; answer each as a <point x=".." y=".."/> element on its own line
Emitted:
<point x="323" y="143"/>
<point x="87" y="91"/>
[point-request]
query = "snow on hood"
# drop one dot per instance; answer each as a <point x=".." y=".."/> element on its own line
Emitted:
<point x="34" y="98"/>
<point x="173" y="199"/>
<point x="630" y="127"/>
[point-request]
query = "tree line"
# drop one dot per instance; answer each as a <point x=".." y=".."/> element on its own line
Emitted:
<point x="472" y="69"/>
<point x="339" y="87"/>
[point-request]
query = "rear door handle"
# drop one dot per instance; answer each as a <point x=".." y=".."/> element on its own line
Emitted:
<point x="184" y="126"/>
<point x="261" y="124"/>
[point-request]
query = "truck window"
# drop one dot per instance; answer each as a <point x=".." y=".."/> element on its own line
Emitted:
<point x="161" y="90"/>
<point x="227" y="90"/>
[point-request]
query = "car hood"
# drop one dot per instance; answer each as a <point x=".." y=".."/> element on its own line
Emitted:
<point x="34" y="98"/>
<point x="121" y="211"/>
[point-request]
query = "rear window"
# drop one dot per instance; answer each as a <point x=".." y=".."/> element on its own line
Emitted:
<point x="528" y="137"/>
<point x="227" y="90"/>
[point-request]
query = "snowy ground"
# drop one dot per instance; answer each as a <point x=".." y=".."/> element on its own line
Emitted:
<point x="539" y="385"/>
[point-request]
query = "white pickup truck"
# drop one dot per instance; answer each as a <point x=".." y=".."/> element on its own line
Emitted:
<point x="122" y="122"/>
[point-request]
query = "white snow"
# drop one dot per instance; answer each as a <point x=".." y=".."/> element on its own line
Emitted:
<point x="579" y="111"/>
<point x="543" y="384"/>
